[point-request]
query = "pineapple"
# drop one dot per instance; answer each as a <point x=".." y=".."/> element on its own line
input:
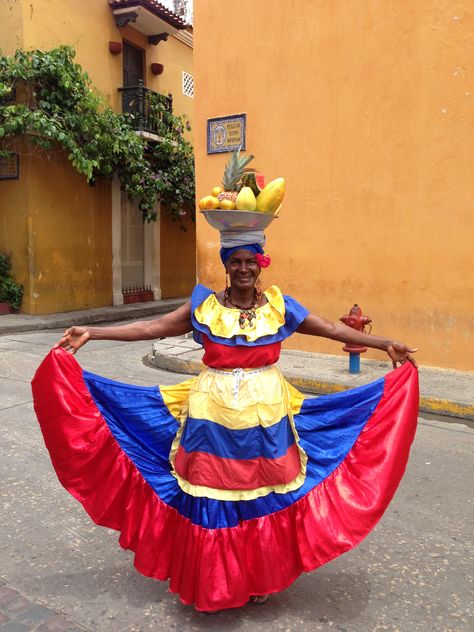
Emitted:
<point x="235" y="168"/>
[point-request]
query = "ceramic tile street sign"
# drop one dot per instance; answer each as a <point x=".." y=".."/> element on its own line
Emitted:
<point x="226" y="133"/>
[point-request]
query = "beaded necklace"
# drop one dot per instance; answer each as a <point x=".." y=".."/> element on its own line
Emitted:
<point x="247" y="314"/>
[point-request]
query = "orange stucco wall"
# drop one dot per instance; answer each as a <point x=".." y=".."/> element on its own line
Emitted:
<point x="11" y="26"/>
<point x="366" y="108"/>
<point x="58" y="231"/>
<point x="70" y="239"/>
<point x="88" y="26"/>
<point x="178" y="257"/>
<point x="14" y="227"/>
<point x="175" y="57"/>
<point x="56" y="226"/>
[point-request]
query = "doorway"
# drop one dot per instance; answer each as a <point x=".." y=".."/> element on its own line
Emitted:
<point x="133" y="234"/>
<point x="133" y="245"/>
<point x="133" y="65"/>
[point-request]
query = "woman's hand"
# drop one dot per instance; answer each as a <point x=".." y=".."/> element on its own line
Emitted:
<point x="400" y="353"/>
<point x="73" y="339"/>
<point x="319" y="326"/>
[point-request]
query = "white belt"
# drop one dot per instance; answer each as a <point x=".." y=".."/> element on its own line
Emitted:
<point x="238" y="375"/>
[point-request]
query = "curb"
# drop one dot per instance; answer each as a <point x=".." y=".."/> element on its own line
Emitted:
<point x="430" y="405"/>
<point x="446" y="408"/>
<point x="91" y="317"/>
<point x="172" y="363"/>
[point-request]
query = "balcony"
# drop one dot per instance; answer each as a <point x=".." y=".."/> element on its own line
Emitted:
<point x="149" y="111"/>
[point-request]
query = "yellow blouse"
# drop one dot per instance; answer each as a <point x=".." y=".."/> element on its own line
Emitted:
<point x="224" y="322"/>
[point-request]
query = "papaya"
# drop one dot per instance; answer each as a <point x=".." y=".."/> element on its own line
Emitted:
<point x="270" y="199"/>
<point x="246" y="200"/>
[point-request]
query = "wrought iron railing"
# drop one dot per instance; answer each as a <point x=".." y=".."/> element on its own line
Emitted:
<point x="137" y="294"/>
<point x="149" y="110"/>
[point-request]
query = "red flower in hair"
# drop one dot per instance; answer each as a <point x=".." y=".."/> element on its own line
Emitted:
<point x="263" y="260"/>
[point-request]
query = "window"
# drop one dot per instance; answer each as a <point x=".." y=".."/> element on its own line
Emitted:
<point x="188" y="84"/>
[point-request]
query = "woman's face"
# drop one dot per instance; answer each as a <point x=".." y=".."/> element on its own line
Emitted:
<point x="243" y="269"/>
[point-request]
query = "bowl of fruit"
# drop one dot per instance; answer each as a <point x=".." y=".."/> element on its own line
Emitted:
<point x="243" y="202"/>
<point x="237" y="220"/>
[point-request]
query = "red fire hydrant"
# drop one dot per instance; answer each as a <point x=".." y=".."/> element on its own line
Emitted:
<point x="356" y="320"/>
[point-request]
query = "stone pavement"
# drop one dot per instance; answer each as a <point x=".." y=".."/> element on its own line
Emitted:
<point x="443" y="391"/>
<point x="20" y="614"/>
<point x="413" y="573"/>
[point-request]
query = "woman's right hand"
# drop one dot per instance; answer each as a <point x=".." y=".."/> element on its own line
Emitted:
<point x="73" y="339"/>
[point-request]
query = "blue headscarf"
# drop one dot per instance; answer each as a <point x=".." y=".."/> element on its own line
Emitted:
<point x="227" y="252"/>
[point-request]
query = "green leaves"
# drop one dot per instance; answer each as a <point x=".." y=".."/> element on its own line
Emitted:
<point x="57" y="106"/>
<point x="10" y="291"/>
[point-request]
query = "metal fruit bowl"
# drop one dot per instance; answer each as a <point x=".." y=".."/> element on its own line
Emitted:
<point x="237" y="220"/>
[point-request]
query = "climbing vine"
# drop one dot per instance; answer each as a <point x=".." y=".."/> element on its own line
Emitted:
<point x="48" y="98"/>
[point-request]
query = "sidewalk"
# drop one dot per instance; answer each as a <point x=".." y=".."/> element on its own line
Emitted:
<point x="13" y="323"/>
<point x="442" y="391"/>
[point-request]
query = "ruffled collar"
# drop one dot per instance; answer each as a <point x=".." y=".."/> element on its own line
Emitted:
<point x="224" y="321"/>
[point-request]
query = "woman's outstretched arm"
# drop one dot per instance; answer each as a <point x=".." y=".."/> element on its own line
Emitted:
<point x="318" y="326"/>
<point x="176" y="323"/>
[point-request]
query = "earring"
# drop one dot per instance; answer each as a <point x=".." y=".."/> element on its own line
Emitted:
<point x="227" y="286"/>
<point x="258" y="290"/>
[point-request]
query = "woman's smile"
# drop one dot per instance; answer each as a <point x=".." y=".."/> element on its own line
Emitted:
<point x="243" y="269"/>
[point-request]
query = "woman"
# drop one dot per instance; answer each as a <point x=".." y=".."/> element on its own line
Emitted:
<point x="232" y="483"/>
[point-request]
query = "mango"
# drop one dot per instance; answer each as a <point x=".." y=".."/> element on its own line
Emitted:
<point x="246" y="200"/>
<point x="270" y="199"/>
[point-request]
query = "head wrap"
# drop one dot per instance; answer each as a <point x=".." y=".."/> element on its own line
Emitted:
<point x="227" y="252"/>
<point x="231" y="238"/>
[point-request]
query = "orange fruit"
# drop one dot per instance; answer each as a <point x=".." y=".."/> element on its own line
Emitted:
<point x="208" y="202"/>
<point x="227" y="205"/>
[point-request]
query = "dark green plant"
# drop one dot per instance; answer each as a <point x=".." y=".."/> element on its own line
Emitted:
<point x="56" y="105"/>
<point x="10" y="291"/>
<point x="5" y="265"/>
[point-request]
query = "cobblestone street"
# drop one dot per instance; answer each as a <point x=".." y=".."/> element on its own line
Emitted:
<point x="60" y="572"/>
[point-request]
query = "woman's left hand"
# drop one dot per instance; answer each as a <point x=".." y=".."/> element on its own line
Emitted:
<point x="400" y="353"/>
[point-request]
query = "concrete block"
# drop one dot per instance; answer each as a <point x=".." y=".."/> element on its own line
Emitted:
<point x="15" y="626"/>
<point x="7" y="594"/>
<point x="175" y="351"/>
<point x="58" y="624"/>
<point x="16" y="606"/>
<point x="35" y="616"/>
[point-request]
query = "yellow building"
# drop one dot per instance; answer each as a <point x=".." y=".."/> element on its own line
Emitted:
<point x="75" y="246"/>
<point x="366" y="108"/>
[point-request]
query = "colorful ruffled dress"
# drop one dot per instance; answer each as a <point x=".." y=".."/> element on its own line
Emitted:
<point x="232" y="483"/>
